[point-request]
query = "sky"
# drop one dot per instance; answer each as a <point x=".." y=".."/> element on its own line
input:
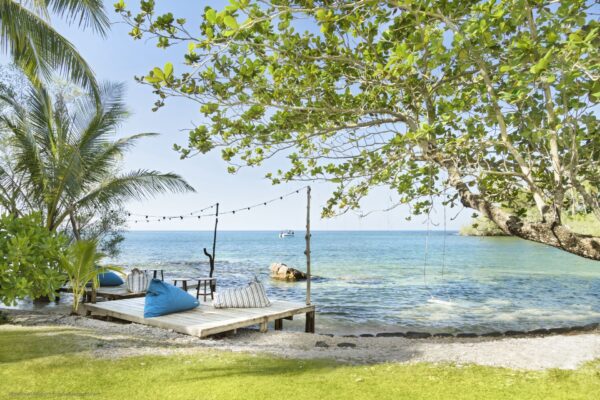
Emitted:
<point x="119" y="58"/>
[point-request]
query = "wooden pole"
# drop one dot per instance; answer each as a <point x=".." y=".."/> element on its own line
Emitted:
<point x="215" y="233"/>
<point x="310" y="316"/>
<point x="307" y="251"/>
<point x="211" y="257"/>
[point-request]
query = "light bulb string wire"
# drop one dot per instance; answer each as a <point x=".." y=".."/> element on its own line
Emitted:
<point x="198" y="214"/>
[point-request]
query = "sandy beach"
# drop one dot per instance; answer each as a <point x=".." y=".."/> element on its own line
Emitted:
<point x="532" y="353"/>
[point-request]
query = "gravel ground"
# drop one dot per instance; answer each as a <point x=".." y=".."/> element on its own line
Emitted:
<point x="531" y="353"/>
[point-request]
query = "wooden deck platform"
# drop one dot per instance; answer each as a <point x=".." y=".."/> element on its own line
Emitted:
<point x="206" y="320"/>
<point x="111" y="292"/>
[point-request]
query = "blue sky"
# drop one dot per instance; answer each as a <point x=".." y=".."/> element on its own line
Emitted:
<point x="119" y="58"/>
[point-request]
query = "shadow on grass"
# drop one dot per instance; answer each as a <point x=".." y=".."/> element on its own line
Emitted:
<point x="28" y="343"/>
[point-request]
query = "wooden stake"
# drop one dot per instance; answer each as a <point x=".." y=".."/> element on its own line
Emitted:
<point x="211" y="257"/>
<point x="307" y="251"/>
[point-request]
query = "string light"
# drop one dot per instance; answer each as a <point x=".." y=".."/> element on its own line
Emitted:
<point x="191" y="214"/>
<point x="194" y="214"/>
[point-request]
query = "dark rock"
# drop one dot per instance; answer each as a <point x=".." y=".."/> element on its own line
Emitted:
<point x="466" y="335"/>
<point x="591" y="327"/>
<point x="576" y="328"/>
<point x="346" y="345"/>
<point x="538" y="332"/>
<point x="443" y="335"/>
<point x="514" y="333"/>
<point x="321" y="344"/>
<point x="352" y="336"/>
<point x="559" y="330"/>
<point x="391" y="334"/>
<point x="367" y="335"/>
<point x="282" y="272"/>
<point x="492" y="334"/>
<point x="328" y="334"/>
<point x="418" y="335"/>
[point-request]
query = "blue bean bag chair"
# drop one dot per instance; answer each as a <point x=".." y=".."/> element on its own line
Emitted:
<point x="163" y="298"/>
<point x="110" y="279"/>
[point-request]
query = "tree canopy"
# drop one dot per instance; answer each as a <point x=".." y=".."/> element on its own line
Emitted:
<point x="492" y="104"/>
<point x="38" y="49"/>
<point x="64" y="160"/>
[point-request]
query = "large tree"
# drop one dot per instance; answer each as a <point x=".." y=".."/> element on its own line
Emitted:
<point x="488" y="103"/>
<point x="27" y="36"/>
<point x="65" y="162"/>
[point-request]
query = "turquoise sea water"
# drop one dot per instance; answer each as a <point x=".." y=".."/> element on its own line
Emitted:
<point x="375" y="281"/>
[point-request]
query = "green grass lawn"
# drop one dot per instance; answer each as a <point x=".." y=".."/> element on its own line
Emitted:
<point x="48" y="363"/>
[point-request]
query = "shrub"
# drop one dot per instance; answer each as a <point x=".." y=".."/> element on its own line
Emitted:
<point x="29" y="258"/>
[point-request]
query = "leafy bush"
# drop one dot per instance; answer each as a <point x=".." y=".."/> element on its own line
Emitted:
<point x="481" y="226"/>
<point x="30" y="263"/>
<point x="584" y="224"/>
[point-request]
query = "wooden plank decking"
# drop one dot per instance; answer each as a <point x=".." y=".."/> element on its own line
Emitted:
<point x="112" y="292"/>
<point x="206" y="320"/>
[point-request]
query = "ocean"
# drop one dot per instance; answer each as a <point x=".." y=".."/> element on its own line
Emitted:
<point x="386" y="280"/>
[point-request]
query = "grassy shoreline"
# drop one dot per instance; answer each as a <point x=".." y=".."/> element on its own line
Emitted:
<point x="582" y="224"/>
<point x="58" y="362"/>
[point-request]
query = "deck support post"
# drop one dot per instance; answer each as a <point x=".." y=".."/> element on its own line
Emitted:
<point x="310" y="322"/>
<point x="264" y="327"/>
<point x="278" y="324"/>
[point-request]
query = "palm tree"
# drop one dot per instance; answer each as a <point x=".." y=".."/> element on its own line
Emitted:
<point x="80" y="263"/>
<point x="37" y="48"/>
<point x="66" y="160"/>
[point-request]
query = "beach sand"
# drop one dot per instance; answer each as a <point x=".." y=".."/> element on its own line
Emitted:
<point x="531" y="353"/>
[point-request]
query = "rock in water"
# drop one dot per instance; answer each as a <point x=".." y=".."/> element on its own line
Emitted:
<point x="284" y="273"/>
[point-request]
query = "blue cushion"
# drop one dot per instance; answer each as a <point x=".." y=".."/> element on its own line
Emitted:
<point x="110" y="279"/>
<point x="163" y="298"/>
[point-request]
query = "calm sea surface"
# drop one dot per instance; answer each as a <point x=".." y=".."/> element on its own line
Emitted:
<point x="376" y="281"/>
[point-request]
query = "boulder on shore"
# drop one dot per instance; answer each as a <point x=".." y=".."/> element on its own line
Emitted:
<point x="282" y="272"/>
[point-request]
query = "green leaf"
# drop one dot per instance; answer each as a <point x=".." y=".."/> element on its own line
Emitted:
<point x="168" y="70"/>
<point x="211" y="15"/>
<point x="230" y="22"/>
<point x="542" y="64"/>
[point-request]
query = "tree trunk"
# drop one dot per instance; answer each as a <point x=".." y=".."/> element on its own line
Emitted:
<point x="75" y="227"/>
<point x="549" y="232"/>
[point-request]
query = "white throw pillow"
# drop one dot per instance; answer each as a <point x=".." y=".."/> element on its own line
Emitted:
<point x="251" y="296"/>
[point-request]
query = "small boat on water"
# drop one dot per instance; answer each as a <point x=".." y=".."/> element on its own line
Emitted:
<point x="284" y="234"/>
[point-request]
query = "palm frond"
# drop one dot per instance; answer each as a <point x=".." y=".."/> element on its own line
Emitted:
<point x="69" y="164"/>
<point x="38" y="49"/>
<point x="86" y="13"/>
<point x="135" y="185"/>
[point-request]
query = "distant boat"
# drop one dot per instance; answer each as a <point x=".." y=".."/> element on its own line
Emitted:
<point x="284" y="234"/>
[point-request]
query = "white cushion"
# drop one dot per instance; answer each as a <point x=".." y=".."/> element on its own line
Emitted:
<point x="251" y="296"/>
